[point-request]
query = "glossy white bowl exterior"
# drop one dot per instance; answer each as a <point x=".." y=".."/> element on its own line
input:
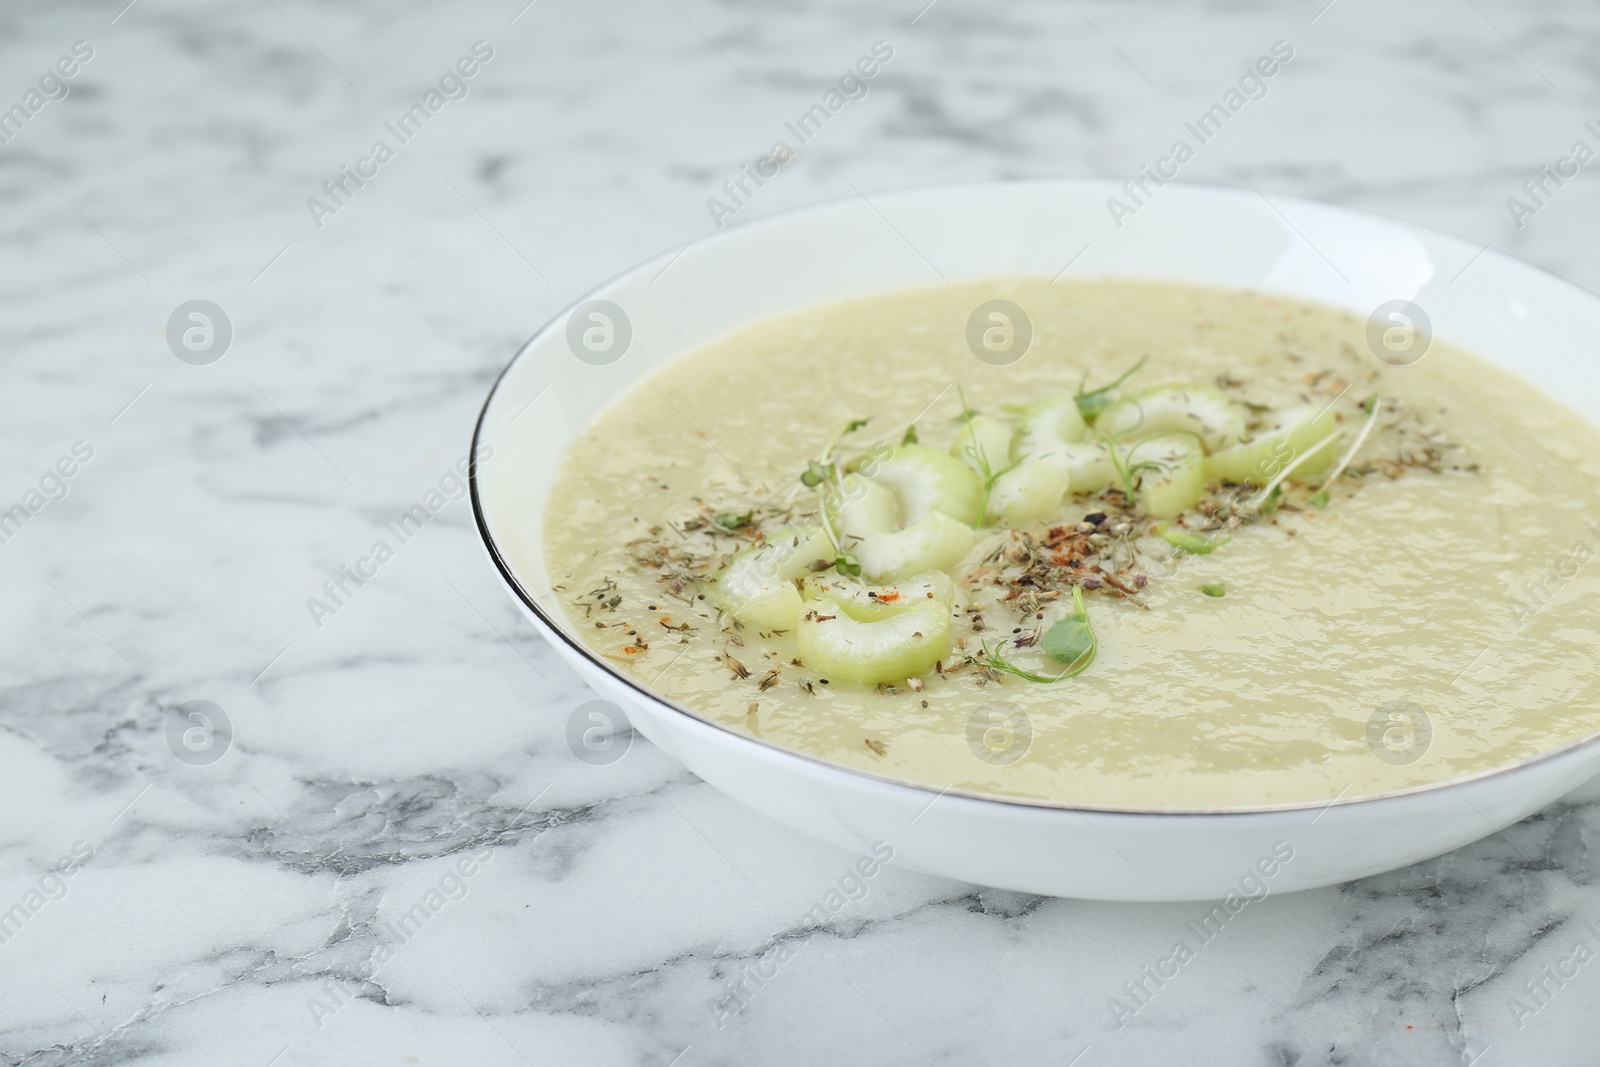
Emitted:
<point x="1511" y="313"/>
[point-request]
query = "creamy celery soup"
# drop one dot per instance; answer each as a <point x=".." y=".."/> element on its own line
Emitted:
<point x="1195" y="549"/>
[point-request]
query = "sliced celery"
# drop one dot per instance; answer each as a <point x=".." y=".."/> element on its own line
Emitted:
<point x="1087" y="463"/>
<point x="1207" y="412"/>
<point x="796" y="548"/>
<point x="1047" y="424"/>
<point x="1054" y="431"/>
<point x="868" y="518"/>
<point x="1289" y="434"/>
<point x="926" y="480"/>
<point x="984" y="443"/>
<point x="891" y="648"/>
<point x="908" y="509"/>
<point x="1028" y="492"/>
<point x="869" y="603"/>
<point x="756" y="585"/>
<point x="1172" y="477"/>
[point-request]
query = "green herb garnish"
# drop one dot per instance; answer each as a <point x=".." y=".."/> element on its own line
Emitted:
<point x="985" y="468"/>
<point x="1371" y="407"/>
<point x="967" y="414"/>
<point x="911" y="435"/>
<point x="728" y="520"/>
<point x="1125" y="470"/>
<point x="1189" y="542"/>
<point x="1093" y="402"/>
<point x="1273" y="499"/>
<point x="823" y="468"/>
<point x="1069" y="640"/>
<point x="990" y="476"/>
<point x="1319" y="499"/>
<point x="996" y="662"/>
<point x="1214" y="589"/>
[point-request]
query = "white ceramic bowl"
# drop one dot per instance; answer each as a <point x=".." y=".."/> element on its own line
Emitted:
<point x="1511" y="313"/>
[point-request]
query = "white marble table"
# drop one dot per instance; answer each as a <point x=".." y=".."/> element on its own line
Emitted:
<point x="409" y="747"/>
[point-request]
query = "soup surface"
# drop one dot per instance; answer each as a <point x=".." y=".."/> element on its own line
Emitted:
<point x="1427" y="614"/>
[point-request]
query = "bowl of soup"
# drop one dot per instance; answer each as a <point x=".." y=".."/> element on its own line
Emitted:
<point x="1216" y="548"/>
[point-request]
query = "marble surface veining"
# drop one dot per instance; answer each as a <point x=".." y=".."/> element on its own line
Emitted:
<point x="408" y="747"/>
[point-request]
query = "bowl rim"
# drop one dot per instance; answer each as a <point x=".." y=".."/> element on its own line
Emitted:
<point x="552" y="626"/>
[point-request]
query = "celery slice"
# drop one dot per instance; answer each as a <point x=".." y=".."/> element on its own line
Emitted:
<point x="1055" y="433"/>
<point x="984" y="443"/>
<point x="1028" y="492"/>
<point x="1044" y="426"/>
<point x="1175" y="478"/>
<point x="1289" y="433"/>
<point x="1087" y="463"/>
<point x="926" y="480"/>
<point x="908" y="509"/>
<point x="890" y="649"/>
<point x="869" y="603"/>
<point x="868" y="519"/>
<point x="1196" y="409"/>
<point x="756" y="585"/>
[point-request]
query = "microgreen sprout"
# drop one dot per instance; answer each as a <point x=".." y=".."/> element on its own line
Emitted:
<point x="967" y="413"/>
<point x="1069" y="640"/>
<point x="824" y="468"/>
<point x="1214" y="589"/>
<point x="730" y="520"/>
<point x="991" y="477"/>
<point x="1279" y="478"/>
<point x="985" y="468"/>
<point x="1093" y="402"/>
<point x="1371" y="407"/>
<point x="997" y="662"/>
<point x="1130" y="472"/>
<point x="1190" y="542"/>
